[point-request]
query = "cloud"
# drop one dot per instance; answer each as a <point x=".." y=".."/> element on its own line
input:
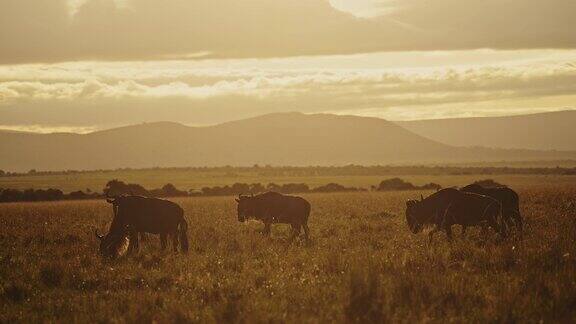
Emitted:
<point x="110" y="94"/>
<point x="417" y="85"/>
<point x="46" y="31"/>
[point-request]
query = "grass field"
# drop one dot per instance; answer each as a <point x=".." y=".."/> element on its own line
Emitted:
<point x="363" y="265"/>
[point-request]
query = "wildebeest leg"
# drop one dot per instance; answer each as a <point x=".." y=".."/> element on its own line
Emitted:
<point x="484" y="231"/>
<point x="163" y="241"/>
<point x="134" y="246"/>
<point x="507" y="222"/>
<point x="515" y="219"/>
<point x="142" y="236"/>
<point x="306" y="232"/>
<point x="448" y="229"/>
<point x="446" y="224"/>
<point x="518" y="222"/>
<point x="492" y="223"/>
<point x="431" y="234"/>
<point x="267" y="229"/>
<point x="492" y="213"/>
<point x="295" y="232"/>
<point x="174" y="241"/>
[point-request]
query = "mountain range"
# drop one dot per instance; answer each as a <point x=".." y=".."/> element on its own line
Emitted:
<point x="294" y="139"/>
<point x="542" y="131"/>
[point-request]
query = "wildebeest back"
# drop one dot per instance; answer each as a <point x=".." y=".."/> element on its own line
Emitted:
<point x="470" y="208"/>
<point x="435" y="205"/>
<point x="280" y="208"/>
<point x="506" y="196"/>
<point x="143" y="213"/>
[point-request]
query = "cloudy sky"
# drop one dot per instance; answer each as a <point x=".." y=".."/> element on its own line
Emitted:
<point x="81" y="65"/>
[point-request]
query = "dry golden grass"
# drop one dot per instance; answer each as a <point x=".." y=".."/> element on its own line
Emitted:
<point x="364" y="265"/>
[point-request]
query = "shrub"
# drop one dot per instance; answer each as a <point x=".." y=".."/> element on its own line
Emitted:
<point x="489" y="183"/>
<point x="333" y="187"/>
<point x="395" y="184"/>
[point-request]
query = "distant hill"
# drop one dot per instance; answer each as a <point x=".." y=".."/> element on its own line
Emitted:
<point x="277" y="139"/>
<point x="543" y="131"/>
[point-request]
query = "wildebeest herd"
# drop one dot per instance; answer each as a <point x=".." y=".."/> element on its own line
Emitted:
<point x="472" y="205"/>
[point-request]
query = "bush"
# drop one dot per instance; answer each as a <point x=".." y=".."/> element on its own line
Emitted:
<point x="489" y="183"/>
<point x="397" y="184"/>
<point x="334" y="187"/>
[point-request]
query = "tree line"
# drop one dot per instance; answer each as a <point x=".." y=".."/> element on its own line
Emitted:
<point x="348" y="170"/>
<point x="116" y="187"/>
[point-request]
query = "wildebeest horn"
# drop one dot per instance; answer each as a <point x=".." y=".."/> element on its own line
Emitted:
<point x="99" y="236"/>
<point x="110" y="201"/>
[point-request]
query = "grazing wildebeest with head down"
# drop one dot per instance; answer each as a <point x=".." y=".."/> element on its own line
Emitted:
<point x="449" y="207"/>
<point x="273" y="207"/>
<point x="114" y="245"/>
<point x="506" y="196"/>
<point x="136" y="214"/>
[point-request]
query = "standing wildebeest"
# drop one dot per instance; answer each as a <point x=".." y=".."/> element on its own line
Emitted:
<point x="273" y="207"/>
<point x="136" y="214"/>
<point x="449" y="207"/>
<point x="506" y="196"/>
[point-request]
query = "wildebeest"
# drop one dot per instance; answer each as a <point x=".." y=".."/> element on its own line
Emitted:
<point x="449" y="207"/>
<point x="506" y="196"/>
<point x="114" y="245"/>
<point x="136" y="214"/>
<point x="273" y="207"/>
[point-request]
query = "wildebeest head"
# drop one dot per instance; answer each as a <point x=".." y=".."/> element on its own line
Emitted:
<point x="414" y="215"/>
<point x="113" y="245"/>
<point x="115" y="200"/>
<point x="245" y="207"/>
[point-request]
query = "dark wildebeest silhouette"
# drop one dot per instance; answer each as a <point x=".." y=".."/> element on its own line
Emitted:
<point x="449" y="207"/>
<point x="506" y="196"/>
<point x="273" y="207"/>
<point x="136" y="214"/>
<point x="141" y="235"/>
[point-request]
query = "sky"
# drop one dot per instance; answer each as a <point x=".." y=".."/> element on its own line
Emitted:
<point x="84" y="65"/>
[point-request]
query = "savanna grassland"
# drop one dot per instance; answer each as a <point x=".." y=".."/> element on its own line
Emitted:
<point x="363" y="265"/>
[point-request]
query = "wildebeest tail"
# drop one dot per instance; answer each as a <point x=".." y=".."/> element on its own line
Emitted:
<point x="183" y="228"/>
<point x="307" y="212"/>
